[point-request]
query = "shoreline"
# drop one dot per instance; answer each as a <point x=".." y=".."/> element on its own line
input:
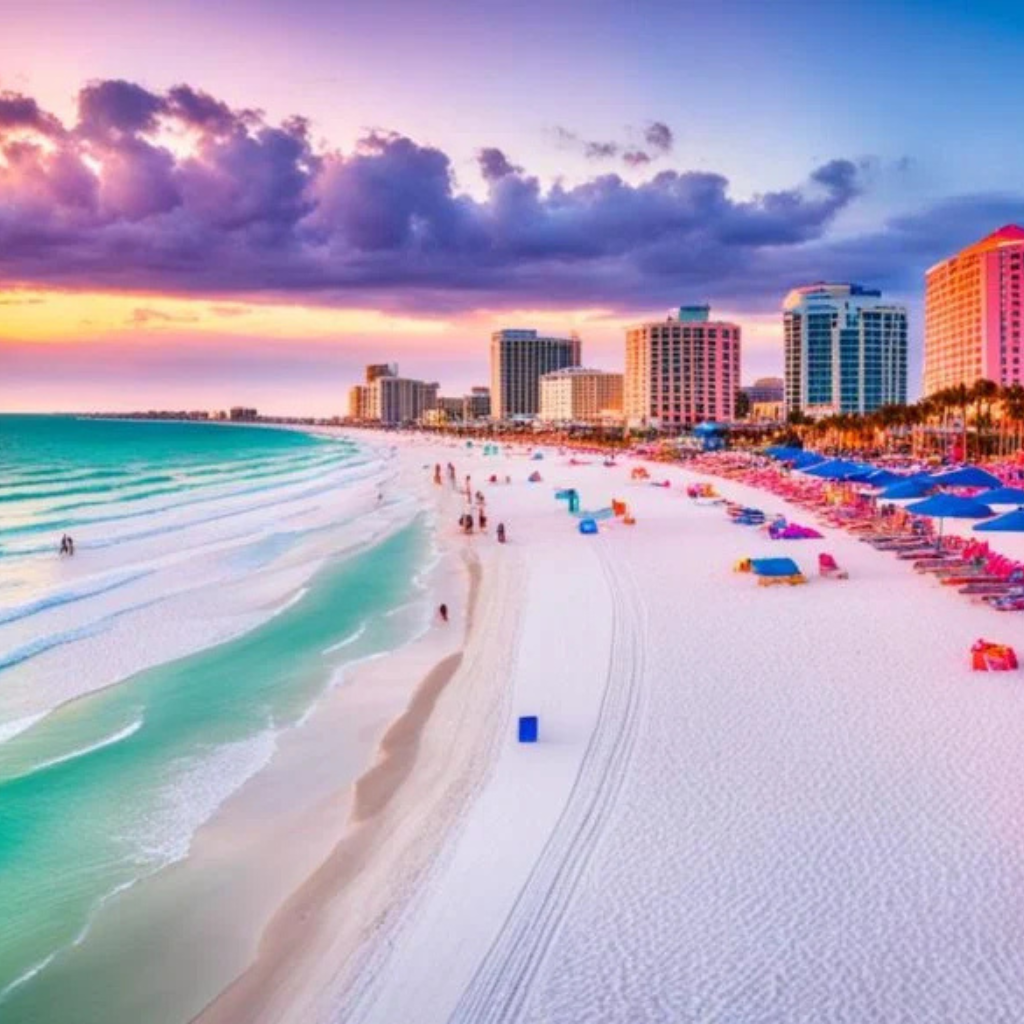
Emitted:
<point x="355" y="706"/>
<point x="291" y="936"/>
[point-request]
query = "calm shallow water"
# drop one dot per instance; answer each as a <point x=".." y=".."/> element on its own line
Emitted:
<point x="110" y="788"/>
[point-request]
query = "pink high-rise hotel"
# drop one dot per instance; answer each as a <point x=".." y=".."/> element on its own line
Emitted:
<point x="973" y="309"/>
<point x="681" y="371"/>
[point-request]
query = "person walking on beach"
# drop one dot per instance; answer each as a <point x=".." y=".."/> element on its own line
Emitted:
<point x="451" y="475"/>
<point x="443" y="612"/>
<point x="437" y="474"/>
<point x="64" y="544"/>
<point x="71" y="546"/>
<point x="501" y="533"/>
<point x="482" y="519"/>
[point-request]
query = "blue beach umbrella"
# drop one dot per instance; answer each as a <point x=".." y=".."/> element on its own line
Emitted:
<point x="949" y="506"/>
<point x="911" y="487"/>
<point x="840" y="469"/>
<point x="967" y="476"/>
<point x="1002" y="496"/>
<point x="804" y="460"/>
<point x="1012" y="522"/>
<point x="883" y="478"/>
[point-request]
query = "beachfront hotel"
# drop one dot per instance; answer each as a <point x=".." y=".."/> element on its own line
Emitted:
<point x="682" y="370"/>
<point x="579" y="395"/>
<point x="973" y="309"/>
<point x="846" y="350"/>
<point x="519" y="358"/>
<point x="390" y="399"/>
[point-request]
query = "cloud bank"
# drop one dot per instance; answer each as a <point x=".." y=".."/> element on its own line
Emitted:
<point x="179" y="193"/>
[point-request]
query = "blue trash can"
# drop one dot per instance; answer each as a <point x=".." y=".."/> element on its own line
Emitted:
<point x="528" y="729"/>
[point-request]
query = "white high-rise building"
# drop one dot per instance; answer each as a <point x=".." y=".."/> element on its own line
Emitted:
<point x="846" y="350"/>
<point x="519" y="358"/>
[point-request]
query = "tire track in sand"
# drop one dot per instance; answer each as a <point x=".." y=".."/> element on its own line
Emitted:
<point x="503" y="981"/>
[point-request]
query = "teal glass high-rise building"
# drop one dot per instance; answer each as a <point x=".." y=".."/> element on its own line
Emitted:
<point x="846" y="350"/>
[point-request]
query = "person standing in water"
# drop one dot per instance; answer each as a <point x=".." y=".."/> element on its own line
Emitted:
<point x="443" y="612"/>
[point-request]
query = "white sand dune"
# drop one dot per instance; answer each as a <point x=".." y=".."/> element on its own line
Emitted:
<point x="748" y="804"/>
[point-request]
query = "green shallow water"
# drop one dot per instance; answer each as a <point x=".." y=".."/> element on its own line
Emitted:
<point x="110" y="788"/>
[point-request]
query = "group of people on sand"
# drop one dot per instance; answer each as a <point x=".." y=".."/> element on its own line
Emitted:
<point x="468" y="521"/>
<point x="67" y="545"/>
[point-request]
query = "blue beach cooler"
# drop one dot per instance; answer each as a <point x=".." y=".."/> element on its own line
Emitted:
<point x="528" y="729"/>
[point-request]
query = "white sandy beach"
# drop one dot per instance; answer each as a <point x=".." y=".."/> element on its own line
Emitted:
<point x="747" y="804"/>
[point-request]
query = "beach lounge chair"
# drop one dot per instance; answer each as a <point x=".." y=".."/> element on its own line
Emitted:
<point x="829" y="568"/>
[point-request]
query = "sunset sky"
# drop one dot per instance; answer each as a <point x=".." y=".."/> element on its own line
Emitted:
<point x="243" y="202"/>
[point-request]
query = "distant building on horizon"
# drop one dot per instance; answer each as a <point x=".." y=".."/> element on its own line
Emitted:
<point x="359" y="402"/>
<point x="973" y="308"/>
<point x="681" y="371"/>
<point x="519" y="358"/>
<point x="477" y="404"/>
<point x="376" y="370"/>
<point x="242" y="414"/>
<point x="462" y="408"/>
<point x="398" y="400"/>
<point x="389" y="399"/>
<point x="846" y="350"/>
<point x="579" y="395"/>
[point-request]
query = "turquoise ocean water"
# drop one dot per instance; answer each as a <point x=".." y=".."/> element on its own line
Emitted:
<point x="108" y="789"/>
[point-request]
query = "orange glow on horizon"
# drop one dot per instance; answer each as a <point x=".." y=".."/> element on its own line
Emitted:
<point x="42" y="316"/>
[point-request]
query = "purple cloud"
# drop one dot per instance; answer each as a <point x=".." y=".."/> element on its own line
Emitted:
<point x="659" y="137"/>
<point x="636" y="158"/>
<point x="256" y="209"/>
<point x="494" y="165"/>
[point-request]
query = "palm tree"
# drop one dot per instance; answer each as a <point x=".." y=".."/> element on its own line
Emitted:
<point x="983" y="393"/>
<point x="1013" y="408"/>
